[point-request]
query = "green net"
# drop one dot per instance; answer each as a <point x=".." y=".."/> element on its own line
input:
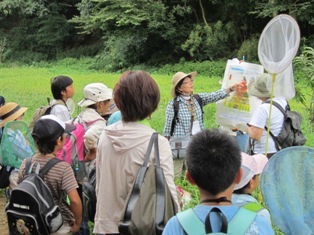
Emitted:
<point x="16" y="144"/>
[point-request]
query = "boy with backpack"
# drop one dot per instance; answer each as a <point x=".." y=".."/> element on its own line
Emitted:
<point x="252" y="167"/>
<point x="48" y="134"/>
<point x="62" y="89"/>
<point x="214" y="165"/>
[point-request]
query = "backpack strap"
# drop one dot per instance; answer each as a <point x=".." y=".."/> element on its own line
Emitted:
<point x="175" y="117"/>
<point x="193" y="225"/>
<point x="278" y="106"/>
<point x="253" y="206"/>
<point x="48" y="165"/>
<point x="176" y="111"/>
<point x="190" y="223"/>
<point x="244" y="218"/>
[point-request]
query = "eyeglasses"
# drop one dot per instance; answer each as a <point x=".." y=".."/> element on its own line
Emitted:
<point x="188" y="81"/>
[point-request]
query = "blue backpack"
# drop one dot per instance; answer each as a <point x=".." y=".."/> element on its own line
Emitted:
<point x="193" y="225"/>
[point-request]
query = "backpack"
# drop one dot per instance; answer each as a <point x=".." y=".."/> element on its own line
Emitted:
<point x="73" y="150"/>
<point x="43" y="110"/>
<point x="176" y="111"/>
<point x="89" y="195"/>
<point x="16" y="144"/>
<point x="239" y="224"/>
<point x="149" y="204"/>
<point x="291" y="134"/>
<point x="31" y="209"/>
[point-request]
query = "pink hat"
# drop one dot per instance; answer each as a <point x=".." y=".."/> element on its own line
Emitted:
<point x="251" y="165"/>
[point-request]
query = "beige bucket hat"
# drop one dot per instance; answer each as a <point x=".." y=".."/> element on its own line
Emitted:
<point x="10" y="111"/>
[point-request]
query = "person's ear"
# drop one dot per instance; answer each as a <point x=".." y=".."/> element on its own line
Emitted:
<point x="189" y="178"/>
<point x="238" y="176"/>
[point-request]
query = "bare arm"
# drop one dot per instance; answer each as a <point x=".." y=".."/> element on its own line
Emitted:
<point x="76" y="208"/>
<point x="254" y="132"/>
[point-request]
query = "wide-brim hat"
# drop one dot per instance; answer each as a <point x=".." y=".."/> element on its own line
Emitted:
<point x="258" y="87"/>
<point x="94" y="93"/>
<point x="251" y="165"/>
<point x="177" y="78"/>
<point x="10" y="111"/>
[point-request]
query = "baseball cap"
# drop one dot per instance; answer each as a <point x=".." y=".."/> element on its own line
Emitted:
<point x="251" y="165"/>
<point x="51" y="127"/>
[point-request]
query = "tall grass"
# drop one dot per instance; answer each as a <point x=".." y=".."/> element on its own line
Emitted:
<point x="30" y="87"/>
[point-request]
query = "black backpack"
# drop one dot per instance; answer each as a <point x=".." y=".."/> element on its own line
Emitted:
<point x="89" y="195"/>
<point x="31" y="209"/>
<point x="291" y="134"/>
<point x="176" y="111"/>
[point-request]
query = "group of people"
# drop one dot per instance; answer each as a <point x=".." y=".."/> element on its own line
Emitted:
<point x="213" y="160"/>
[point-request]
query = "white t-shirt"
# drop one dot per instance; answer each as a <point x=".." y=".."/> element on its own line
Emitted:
<point x="260" y="119"/>
<point x="61" y="111"/>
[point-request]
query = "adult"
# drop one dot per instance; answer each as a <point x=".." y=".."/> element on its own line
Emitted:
<point x="189" y="119"/>
<point x="62" y="89"/>
<point x="95" y="104"/>
<point x="122" y="147"/>
<point x="256" y="126"/>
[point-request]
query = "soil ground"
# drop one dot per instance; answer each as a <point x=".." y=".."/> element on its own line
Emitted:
<point x="3" y="219"/>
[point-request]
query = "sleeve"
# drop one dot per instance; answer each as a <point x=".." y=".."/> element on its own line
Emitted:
<point x="93" y="133"/>
<point x="259" y="118"/>
<point x="173" y="227"/>
<point x="211" y="97"/>
<point x="68" y="179"/>
<point x="166" y="163"/>
<point x="169" y="118"/>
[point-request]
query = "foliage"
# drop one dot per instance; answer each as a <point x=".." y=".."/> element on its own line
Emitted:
<point x="305" y="65"/>
<point x="249" y="49"/>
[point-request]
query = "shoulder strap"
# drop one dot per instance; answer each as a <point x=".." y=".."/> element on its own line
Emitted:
<point x="190" y="222"/>
<point x="193" y="225"/>
<point x="28" y="164"/>
<point x="199" y="100"/>
<point x="48" y="165"/>
<point x="278" y="106"/>
<point x="175" y="117"/>
<point x="253" y="206"/>
<point x="243" y="217"/>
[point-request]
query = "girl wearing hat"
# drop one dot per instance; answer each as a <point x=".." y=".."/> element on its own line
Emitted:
<point x="189" y="119"/>
<point x="96" y="103"/>
<point x="256" y="127"/>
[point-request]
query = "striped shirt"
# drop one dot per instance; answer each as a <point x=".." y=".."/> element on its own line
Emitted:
<point x="60" y="179"/>
<point x="182" y="128"/>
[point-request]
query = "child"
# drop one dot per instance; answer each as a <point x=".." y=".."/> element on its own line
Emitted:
<point x="252" y="167"/>
<point x="48" y="134"/>
<point x="62" y="89"/>
<point x="214" y="166"/>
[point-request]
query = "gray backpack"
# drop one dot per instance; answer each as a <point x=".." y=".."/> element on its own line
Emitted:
<point x="31" y="209"/>
<point x="291" y="134"/>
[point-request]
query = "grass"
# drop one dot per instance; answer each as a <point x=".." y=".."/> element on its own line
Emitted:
<point x="30" y="87"/>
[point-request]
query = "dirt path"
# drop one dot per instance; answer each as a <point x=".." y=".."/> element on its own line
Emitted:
<point x="3" y="219"/>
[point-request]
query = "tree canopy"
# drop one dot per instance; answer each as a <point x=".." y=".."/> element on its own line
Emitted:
<point x="126" y="33"/>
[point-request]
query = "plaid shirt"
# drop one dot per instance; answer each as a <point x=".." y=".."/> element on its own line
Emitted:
<point x="182" y="127"/>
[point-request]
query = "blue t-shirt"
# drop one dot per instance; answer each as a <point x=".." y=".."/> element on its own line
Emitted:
<point x="259" y="226"/>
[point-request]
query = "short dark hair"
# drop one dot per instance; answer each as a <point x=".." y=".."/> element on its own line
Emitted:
<point x="213" y="160"/>
<point x="136" y="95"/>
<point x="59" y="84"/>
<point x="2" y="101"/>
<point x="46" y="146"/>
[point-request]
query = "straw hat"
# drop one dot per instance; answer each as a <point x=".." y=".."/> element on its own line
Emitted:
<point x="95" y="92"/>
<point x="10" y="111"/>
<point x="177" y="78"/>
<point x="258" y="87"/>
